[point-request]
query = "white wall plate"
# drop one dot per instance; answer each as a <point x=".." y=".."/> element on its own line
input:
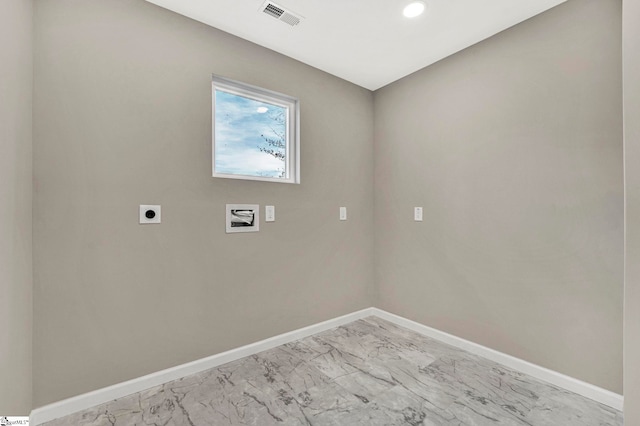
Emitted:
<point x="150" y="214"/>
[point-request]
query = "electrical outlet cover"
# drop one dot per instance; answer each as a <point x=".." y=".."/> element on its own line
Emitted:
<point x="150" y="214"/>
<point x="417" y="214"/>
<point x="343" y="213"/>
<point x="269" y="214"/>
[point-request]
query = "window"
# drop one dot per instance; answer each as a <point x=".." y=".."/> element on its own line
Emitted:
<point x="255" y="133"/>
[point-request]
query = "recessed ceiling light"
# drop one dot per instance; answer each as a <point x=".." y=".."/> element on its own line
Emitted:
<point x="262" y="110"/>
<point x="414" y="9"/>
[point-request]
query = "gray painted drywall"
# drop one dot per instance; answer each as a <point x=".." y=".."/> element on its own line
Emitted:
<point x="16" y="86"/>
<point x="631" y="72"/>
<point x="122" y="118"/>
<point x="520" y="249"/>
<point x="514" y="149"/>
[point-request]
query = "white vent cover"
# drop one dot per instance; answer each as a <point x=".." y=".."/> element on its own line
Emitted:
<point x="280" y="13"/>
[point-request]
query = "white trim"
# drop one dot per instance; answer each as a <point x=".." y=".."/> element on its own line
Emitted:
<point x="82" y="402"/>
<point x="585" y="389"/>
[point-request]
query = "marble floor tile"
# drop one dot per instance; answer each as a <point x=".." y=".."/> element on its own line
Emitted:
<point x="368" y="372"/>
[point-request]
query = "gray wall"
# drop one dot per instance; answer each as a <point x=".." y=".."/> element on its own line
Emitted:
<point x="514" y="149"/>
<point x="15" y="206"/>
<point x="122" y="118"/>
<point x="631" y="55"/>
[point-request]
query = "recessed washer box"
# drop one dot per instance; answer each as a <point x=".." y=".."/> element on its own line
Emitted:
<point x="150" y="214"/>
<point x="243" y="218"/>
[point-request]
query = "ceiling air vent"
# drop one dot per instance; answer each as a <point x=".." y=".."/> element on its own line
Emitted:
<point x="280" y="13"/>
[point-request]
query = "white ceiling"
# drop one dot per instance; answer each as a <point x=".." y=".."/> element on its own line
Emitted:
<point x="367" y="42"/>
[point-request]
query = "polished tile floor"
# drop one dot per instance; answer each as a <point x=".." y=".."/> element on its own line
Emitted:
<point x="369" y="372"/>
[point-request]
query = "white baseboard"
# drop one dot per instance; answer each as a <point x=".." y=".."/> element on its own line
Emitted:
<point x="82" y="402"/>
<point x="585" y="389"/>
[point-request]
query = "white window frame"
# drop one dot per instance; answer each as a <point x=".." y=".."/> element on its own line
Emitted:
<point x="292" y="150"/>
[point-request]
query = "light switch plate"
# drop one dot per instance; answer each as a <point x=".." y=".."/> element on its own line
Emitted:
<point x="269" y="213"/>
<point x="150" y="214"/>
<point x="343" y="213"/>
